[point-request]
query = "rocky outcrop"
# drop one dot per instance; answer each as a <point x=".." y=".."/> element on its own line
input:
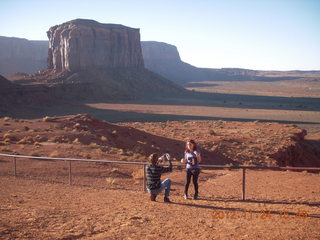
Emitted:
<point x="153" y="51"/>
<point x="22" y="55"/>
<point x="85" y="44"/>
<point x="164" y="59"/>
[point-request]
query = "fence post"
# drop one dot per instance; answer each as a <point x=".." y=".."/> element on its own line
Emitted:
<point x="144" y="178"/>
<point x="14" y="167"/>
<point x="243" y="184"/>
<point x="70" y="179"/>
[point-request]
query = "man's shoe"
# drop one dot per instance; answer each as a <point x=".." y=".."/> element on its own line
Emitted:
<point x="185" y="196"/>
<point x="153" y="197"/>
<point x="167" y="200"/>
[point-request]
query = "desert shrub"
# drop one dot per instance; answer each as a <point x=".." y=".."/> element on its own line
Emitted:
<point x="34" y="154"/>
<point x="122" y="151"/>
<point x="76" y="141"/>
<point x="76" y="126"/>
<point x="41" y="138"/>
<point x="54" y="154"/>
<point x="111" y="180"/>
<point x="211" y="132"/>
<point x="93" y="144"/>
<point x="46" y="119"/>
<point x="37" y="144"/>
<point x="114" y="133"/>
<point x="6" y="119"/>
<point x="26" y="140"/>
<point x="6" y="149"/>
<point x="6" y="135"/>
<point x="220" y="124"/>
<point x="103" y="138"/>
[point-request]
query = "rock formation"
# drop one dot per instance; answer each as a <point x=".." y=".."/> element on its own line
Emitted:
<point x="22" y="55"/>
<point x="153" y="51"/>
<point x="85" y="44"/>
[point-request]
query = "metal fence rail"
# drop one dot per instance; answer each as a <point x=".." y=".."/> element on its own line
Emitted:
<point x="143" y="164"/>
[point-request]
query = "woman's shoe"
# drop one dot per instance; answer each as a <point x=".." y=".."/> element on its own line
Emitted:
<point x="195" y="197"/>
<point x="185" y="196"/>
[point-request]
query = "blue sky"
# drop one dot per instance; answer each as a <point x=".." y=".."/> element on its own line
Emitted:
<point x="253" y="34"/>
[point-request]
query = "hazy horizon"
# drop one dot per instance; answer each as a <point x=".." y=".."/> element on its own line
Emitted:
<point x="259" y="35"/>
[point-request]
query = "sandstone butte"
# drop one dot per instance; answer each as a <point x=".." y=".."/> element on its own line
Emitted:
<point x="83" y="44"/>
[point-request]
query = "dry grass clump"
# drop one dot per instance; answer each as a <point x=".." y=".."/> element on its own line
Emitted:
<point x="104" y="138"/>
<point x="138" y="174"/>
<point x="54" y="154"/>
<point x="111" y="180"/>
<point x="47" y="119"/>
<point x="93" y="144"/>
<point x="6" y="149"/>
<point x="76" y="141"/>
<point x="34" y="154"/>
<point x="211" y="132"/>
<point x="6" y="119"/>
<point x="41" y="138"/>
<point x="37" y="144"/>
<point x="26" y="140"/>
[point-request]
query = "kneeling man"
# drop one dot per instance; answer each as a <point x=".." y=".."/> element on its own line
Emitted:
<point x="154" y="184"/>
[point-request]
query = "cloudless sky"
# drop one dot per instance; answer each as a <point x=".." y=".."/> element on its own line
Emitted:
<point x="253" y="34"/>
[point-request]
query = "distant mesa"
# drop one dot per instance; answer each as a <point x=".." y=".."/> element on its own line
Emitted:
<point x="92" y="61"/>
<point x="85" y="44"/>
<point x="22" y="55"/>
<point x="158" y="51"/>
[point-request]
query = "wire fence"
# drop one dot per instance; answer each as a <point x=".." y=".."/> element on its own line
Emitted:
<point x="143" y="166"/>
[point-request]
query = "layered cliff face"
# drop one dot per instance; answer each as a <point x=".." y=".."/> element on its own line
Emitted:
<point x="22" y="55"/>
<point x="164" y="59"/>
<point x="84" y="44"/>
<point x="153" y="51"/>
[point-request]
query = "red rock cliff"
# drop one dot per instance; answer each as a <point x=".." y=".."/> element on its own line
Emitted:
<point x="82" y="44"/>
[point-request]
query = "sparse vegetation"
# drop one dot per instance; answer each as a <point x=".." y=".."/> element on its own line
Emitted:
<point x="54" y="154"/>
<point x="212" y="132"/>
<point x="47" y="119"/>
<point x="6" y="119"/>
<point x="111" y="180"/>
<point x="76" y="141"/>
<point x="104" y="138"/>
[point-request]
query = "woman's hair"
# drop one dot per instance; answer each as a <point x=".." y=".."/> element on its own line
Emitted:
<point x="194" y="145"/>
<point x="153" y="158"/>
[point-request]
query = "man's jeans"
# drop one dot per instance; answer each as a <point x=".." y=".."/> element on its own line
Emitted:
<point x="166" y="184"/>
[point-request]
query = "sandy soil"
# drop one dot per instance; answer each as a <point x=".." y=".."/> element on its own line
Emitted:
<point x="306" y="87"/>
<point x="219" y="112"/>
<point x="280" y="205"/>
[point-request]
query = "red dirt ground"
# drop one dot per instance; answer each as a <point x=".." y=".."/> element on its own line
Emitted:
<point x="106" y="200"/>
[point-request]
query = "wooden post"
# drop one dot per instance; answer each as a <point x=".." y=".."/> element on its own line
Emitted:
<point x="14" y="167"/>
<point x="243" y="184"/>
<point x="144" y="178"/>
<point x="70" y="179"/>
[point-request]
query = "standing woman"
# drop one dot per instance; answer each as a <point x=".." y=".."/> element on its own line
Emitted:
<point x="192" y="158"/>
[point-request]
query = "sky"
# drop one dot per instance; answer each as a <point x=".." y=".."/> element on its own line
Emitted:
<point x="251" y="34"/>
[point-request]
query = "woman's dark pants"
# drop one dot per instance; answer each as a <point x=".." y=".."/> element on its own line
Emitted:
<point x="195" y="173"/>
